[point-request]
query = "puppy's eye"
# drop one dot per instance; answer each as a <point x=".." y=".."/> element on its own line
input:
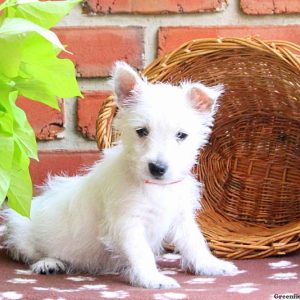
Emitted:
<point x="142" y="132"/>
<point x="180" y="136"/>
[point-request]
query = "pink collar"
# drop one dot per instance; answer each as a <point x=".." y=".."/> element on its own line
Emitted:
<point x="163" y="183"/>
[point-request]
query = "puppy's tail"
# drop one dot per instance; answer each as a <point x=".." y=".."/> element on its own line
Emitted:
<point x="17" y="236"/>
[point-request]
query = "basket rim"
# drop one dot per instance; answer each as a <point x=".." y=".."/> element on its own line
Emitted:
<point x="287" y="51"/>
<point x="271" y="240"/>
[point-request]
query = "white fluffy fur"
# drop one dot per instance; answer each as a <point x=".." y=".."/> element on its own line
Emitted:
<point x="110" y="220"/>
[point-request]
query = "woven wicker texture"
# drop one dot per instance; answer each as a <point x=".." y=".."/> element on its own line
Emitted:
<point x="251" y="166"/>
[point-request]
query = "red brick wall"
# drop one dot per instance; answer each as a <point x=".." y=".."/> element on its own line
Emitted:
<point x="153" y="6"/>
<point x="96" y="48"/>
<point x="101" y="32"/>
<point x="267" y="7"/>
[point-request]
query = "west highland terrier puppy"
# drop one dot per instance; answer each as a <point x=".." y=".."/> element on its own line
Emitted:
<point x="142" y="192"/>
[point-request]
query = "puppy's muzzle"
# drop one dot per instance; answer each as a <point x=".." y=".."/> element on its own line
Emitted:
<point x="157" y="169"/>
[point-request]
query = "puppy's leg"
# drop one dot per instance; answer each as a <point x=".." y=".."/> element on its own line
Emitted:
<point x="143" y="271"/>
<point x="196" y="255"/>
<point x="48" y="266"/>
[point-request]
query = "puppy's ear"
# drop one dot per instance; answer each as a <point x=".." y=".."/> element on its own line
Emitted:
<point x="203" y="98"/>
<point x="124" y="80"/>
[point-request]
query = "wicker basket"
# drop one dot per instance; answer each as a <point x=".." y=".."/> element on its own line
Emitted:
<point x="251" y="166"/>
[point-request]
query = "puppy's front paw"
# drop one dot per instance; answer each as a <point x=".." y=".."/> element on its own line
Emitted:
<point x="48" y="266"/>
<point x="157" y="281"/>
<point x="214" y="266"/>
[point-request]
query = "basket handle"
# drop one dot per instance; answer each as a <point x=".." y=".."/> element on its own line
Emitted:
<point x="104" y="131"/>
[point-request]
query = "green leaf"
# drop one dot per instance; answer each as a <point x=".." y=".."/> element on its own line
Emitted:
<point x="3" y="81"/>
<point x="6" y="152"/>
<point x="36" y="90"/>
<point x="6" y="123"/>
<point x="35" y="44"/>
<point x="17" y="27"/>
<point x="4" y="183"/>
<point x="45" y="14"/>
<point x="8" y="3"/>
<point x="20" y="191"/>
<point x="43" y="76"/>
<point x="23" y="132"/>
<point x="57" y="75"/>
<point x="5" y="89"/>
<point x="37" y="48"/>
<point x="10" y="55"/>
<point x="14" y="130"/>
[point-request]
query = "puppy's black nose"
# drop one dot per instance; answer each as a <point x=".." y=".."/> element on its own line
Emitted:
<point x="157" y="169"/>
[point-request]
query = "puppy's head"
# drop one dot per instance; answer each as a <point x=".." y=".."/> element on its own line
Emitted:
<point x="162" y="126"/>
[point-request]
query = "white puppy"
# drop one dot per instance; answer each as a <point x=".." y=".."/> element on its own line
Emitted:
<point x="114" y="218"/>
